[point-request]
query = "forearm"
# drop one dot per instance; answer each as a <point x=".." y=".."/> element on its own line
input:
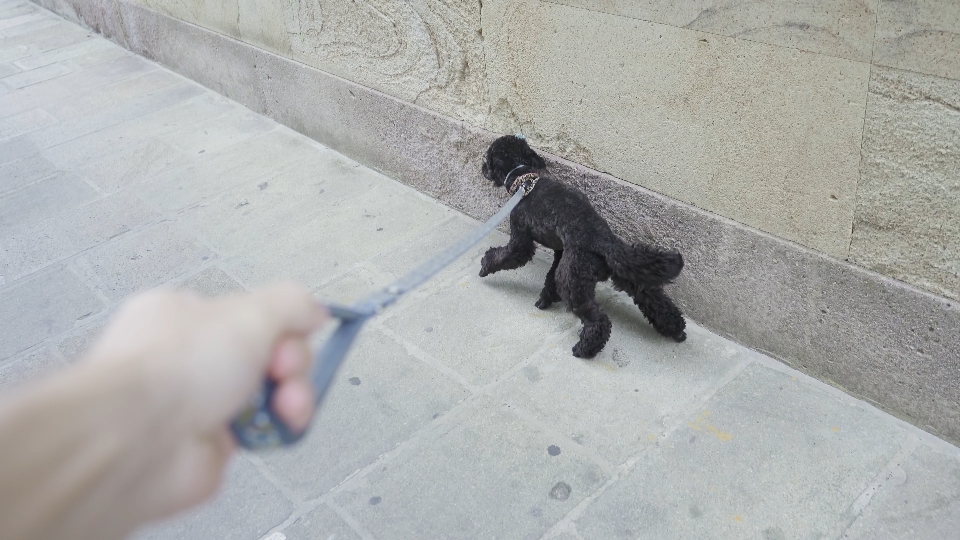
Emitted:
<point x="69" y="445"/>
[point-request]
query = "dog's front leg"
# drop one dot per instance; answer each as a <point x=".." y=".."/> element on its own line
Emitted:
<point x="518" y="252"/>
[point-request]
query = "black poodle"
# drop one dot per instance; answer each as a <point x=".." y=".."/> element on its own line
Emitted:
<point x="585" y="250"/>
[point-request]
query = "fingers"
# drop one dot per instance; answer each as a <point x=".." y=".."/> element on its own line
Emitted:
<point x="290" y="309"/>
<point x="293" y="402"/>
<point x="289" y="367"/>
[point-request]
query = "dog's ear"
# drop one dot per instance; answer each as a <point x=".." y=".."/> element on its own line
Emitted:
<point x="534" y="158"/>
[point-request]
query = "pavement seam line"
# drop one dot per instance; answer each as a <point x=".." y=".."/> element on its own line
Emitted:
<point x="350" y="521"/>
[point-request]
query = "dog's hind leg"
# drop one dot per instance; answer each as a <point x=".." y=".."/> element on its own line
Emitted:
<point x="665" y="317"/>
<point x="577" y="277"/>
<point x="549" y="294"/>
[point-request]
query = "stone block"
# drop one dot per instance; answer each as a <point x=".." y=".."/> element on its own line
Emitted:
<point x="212" y="282"/>
<point x="921" y="500"/>
<point x="34" y="76"/>
<point x="31" y="247"/>
<point x="621" y="402"/>
<point x="909" y="192"/>
<point x="220" y="171"/>
<point x="473" y="325"/>
<point x="143" y="260"/>
<point x="43" y="200"/>
<point x="247" y="507"/>
<point x="321" y="183"/>
<point x="919" y="35"/>
<point x="59" y="55"/>
<point x="834" y="27"/>
<point x="767" y="136"/>
<point x="42" y="307"/>
<point x="101" y="98"/>
<point x="234" y="126"/>
<point x="406" y="257"/>
<point x="322" y="523"/>
<point x="76" y="342"/>
<point x="115" y="114"/>
<point x="29" y="368"/>
<point x="489" y="475"/>
<point x="380" y="397"/>
<point x="32" y="31"/>
<point x="43" y="94"/>
<point x="371" y="223"/>
<point x="19" y="124"/>
<point x="769" y="456"/>
<point x="19" y="173"/>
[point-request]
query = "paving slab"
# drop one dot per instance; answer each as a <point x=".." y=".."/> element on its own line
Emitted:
<point x="625" y="399"/>
<point x="143" y="260"/>
<point x="921" y="501"/>
<point x="370" y="410"/>
<point x="29" y="248"/>
<point x="769" y="456"/>
<point x="484" y="474"/>
<point x="249" y="507"/>
<point x="43" y="306"/>
<point x="43" y="200"/>
<point x="30" y="367"/>
<point x="323" y="523"/>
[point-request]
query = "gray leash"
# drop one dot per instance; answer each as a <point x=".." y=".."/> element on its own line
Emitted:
<point x="257" y="427"/>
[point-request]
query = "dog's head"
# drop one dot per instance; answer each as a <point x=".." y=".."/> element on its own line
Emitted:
<point x="505" y="154"/>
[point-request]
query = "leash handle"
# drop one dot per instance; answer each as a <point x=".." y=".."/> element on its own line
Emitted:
<point x="258" y="427"/>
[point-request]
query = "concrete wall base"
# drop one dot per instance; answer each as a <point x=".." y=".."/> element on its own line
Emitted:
<point x="874" y="337"/>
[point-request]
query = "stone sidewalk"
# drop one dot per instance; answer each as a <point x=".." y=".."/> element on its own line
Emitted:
<point x="117" y="175"/>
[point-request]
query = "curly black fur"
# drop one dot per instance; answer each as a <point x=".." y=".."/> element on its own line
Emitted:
<point x="585" y="251"/>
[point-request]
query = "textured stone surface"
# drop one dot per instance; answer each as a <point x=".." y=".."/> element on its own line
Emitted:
<point x="234" y="165"/>
<point x="41" y="307"/>
<point x="921" y="501"/>
<point x="43" y="200"/>
<point x="835" y="27"/>
<point x="212" y="281"/>
<point x="429" y="52"/>
<point x="621" y="402"/>
<point x="919" y="35"/>
<point x="323" y="523"/>
<point x="29" y="248"/>
<point x="907" y="225"/>
<point x="764" y="135"/>
<point x="369" y="411"/>
<point x="381" y="218"/>
<point x="28" y="368"/>
<point x="501" y="301"/>
<point x="706" y="480"/>
<point x="247" y="507"/>
<point x="143" y="260"/>
<point x="488" y="476"/>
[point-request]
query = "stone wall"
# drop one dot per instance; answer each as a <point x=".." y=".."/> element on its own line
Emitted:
<point x="832" y="124"/>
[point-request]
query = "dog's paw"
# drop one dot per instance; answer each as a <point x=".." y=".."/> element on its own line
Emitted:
<point x="681" y="337"/>
<point x="544" y="303"/>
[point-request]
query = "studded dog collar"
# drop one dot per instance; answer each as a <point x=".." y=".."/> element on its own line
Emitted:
<point x="526" y="181"/>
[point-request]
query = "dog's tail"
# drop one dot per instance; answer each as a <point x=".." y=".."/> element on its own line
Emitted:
<point x="642" y="265"/>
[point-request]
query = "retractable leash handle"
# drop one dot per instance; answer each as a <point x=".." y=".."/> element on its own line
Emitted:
<point x="258" y="427"/>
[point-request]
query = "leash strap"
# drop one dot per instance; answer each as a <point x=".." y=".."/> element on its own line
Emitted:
<point x="257" y="427"/>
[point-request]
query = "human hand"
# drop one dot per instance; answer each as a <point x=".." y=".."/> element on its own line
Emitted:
<point x="200" y="360"/>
